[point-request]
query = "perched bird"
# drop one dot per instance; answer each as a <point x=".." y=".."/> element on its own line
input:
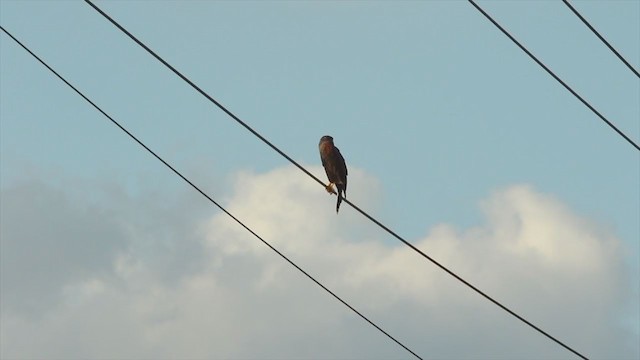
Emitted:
<point x="335" y="168"/>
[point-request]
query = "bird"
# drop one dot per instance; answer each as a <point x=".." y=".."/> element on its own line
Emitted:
<point x="335" y="167"/>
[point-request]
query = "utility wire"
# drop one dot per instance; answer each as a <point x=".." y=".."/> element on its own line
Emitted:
<point x="555" y="76"/>
<point x="601" y="37"/>
<point x="457" y="277"/>
<point x="207" y="196"/>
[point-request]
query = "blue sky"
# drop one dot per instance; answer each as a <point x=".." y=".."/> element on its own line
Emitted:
<point x="435" y="109"/>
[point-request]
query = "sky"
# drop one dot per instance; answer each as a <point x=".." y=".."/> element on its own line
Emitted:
<point x="453" y="137"/>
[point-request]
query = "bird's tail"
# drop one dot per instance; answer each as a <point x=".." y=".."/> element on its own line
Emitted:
<point x="339" y="200"/>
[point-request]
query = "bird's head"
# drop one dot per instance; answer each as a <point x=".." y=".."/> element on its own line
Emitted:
<point x="326" y="138"/>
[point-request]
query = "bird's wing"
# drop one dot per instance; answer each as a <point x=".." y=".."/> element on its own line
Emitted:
<point x="341" y="166"/>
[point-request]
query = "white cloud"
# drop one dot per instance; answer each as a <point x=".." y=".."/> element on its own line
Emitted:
<point x="557" y="269"/>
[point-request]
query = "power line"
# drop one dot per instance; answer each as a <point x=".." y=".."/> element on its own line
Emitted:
<point x="601" y="37"/>
<point x="245" y="125"/>
<point x="555" y="76"/>
<point x="208" y="197"/>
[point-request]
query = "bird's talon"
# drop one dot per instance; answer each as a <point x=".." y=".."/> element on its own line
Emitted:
<point x="329" y="188"/>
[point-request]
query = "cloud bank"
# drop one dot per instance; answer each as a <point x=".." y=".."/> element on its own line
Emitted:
<point x="156" y="278"/>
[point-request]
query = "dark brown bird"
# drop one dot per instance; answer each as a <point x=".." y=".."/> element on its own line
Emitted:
<point x="335" y="168"/>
